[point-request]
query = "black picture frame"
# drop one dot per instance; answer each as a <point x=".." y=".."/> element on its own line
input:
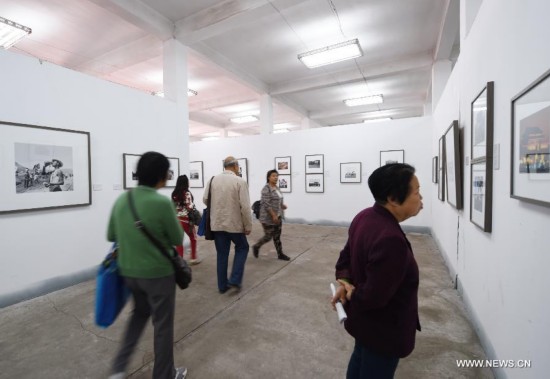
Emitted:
<point x="283" y="165"/>
<point x="315" y="164"/>
<point x="453" y="166"/>
<point x="530" y="143"/>
<point x="196" y="174"/>
<point x="129" y="164"/>
<point x="482" y="134"/>
<point x="315" y="183"/>
<point x="435" y="169"/>
<point x="350" y="172"/>
<point x="441" y="170"/>
<point x="285" y="183"/>
<point x="37" y="154"/>
<point x="391" y="156"/>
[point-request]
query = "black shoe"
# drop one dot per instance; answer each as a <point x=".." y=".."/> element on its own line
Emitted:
<point x="255" y="251"/>
<point x="284" y="257"/>
<point x="224" y="290"/>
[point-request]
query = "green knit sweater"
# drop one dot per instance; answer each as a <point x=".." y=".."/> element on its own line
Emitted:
<point x="137" y="256"/>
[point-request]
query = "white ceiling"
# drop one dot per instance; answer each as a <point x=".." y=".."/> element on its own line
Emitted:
<point x="240" y="50"/>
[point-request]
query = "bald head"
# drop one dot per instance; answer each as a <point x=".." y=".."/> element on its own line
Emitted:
<point x="231" y="164"/>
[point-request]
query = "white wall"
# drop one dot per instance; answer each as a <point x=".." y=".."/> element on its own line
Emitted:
<point x="40" y="249"/>
<point x="353" y="143"/>
<point x="503" y="275"/>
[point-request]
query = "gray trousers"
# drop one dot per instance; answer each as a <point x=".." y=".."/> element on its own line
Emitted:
<point x="154" y="298"/>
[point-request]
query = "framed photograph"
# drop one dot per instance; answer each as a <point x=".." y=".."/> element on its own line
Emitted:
<point x="283" y="165"/>
<point x="130" y="162"/>
<point x="43" y="168"/>
<point x="350" y="172"/>
<point x="392" y="156"/>
<point x="285" y="183"/>
<point x="482" y="124"/>
<point x="315" y="164"/>
<point x="530" y="168"/>
<point x="173" y="172"/>
<point x="480" y="197"/>
<point x="196" y="174"/>
<point x="453" y="172"/>
<point x="435" y="169"/>
<point x="315" y="183"/>
<point x="441" y="170"/>
<point x="243" y="168"/>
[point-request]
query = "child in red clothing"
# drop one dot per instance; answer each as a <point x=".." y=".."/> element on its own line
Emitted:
<point x="183" y="199"/>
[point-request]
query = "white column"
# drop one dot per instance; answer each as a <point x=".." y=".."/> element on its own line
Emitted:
<point x="441" y="71"/>
<point x="266" y="114"/>
<point x="224" y="133"/>
<point x="306" y="123"/>
<point x="175" y="89"/>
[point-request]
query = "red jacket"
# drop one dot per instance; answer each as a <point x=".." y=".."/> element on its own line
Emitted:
<point x="379" y="262"/>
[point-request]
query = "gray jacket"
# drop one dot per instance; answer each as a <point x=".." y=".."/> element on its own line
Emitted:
<point x="270" y="200"/>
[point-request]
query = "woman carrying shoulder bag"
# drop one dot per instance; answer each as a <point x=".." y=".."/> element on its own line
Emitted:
<point x="183" y="199"/>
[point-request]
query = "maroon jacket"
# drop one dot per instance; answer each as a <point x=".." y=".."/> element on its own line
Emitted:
<point x="379" y="262"/>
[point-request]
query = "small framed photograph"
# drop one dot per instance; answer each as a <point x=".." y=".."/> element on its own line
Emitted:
<point x="315" y="183"/>
<point x="285" y="183"/>
<point x="482" y="124"/>
<point x="350" y="172"/>
<point x="173" y="172"/>
<point x="481" y="198"/>
<point x="315" y="164"/>
<point x="453" y="172"/>
<point x="43" y="168"/>
<point x="130" y="162"/>
<point x="243" y="168"/>
<point x="530" y="169"/>
<point x="392" y="156"/>
<point x="283" y="165"/>
<point x="435" y="169"/>
<point x="196" y="174"/>
<point x="441" y="170"/>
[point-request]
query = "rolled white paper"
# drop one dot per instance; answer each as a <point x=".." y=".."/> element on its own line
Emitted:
<point x="342" y="316"/>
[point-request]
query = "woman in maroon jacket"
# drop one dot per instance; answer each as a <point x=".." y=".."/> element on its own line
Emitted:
<point x="378" y="275"/>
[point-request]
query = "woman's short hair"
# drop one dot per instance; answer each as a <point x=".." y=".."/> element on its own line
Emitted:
<point x="391" y="181"/>
<point x="269" y="174"/>
<point x="152" y="168"/>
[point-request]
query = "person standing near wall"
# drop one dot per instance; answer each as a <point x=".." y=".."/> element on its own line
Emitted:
<point x="231" y="221"/>
<point x="379" y="277"/>
<point x="183" y="199"/>
<point x="271" y="216"/>
<point x="146" y="271"/>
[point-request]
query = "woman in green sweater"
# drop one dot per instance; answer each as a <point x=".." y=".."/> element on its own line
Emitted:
<point x="147" y="272"/>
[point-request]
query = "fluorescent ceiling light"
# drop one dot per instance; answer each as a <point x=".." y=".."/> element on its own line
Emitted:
<point x="374" y="99"/>
<point x="278" y="131"/>
<point x="11" y="32"/>
<point x="210" y="138"/>
<point x="331" y="54"/>
<point x="243" y="119"/>
<point x="190" y="93"/>
<point x="377" y="119"/>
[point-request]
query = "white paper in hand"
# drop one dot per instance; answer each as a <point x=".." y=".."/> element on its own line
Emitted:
<point x="342" y="316"/>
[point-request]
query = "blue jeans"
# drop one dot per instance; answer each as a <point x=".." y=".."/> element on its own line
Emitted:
<point x="365" y="364"/>
<point x="223" y="244"/>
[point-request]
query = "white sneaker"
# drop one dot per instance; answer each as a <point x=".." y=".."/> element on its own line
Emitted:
<point x="118" y="375"/>
<point x="181" y="373"/>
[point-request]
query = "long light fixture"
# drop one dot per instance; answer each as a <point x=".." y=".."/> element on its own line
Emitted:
<point x="368" y="121"/>
<point x="374" y="99"/>
<point x="331" y="54"/>
<point x="11" y="32"/>
<point x="190" y="93"/>
<point x="243" y="119"/>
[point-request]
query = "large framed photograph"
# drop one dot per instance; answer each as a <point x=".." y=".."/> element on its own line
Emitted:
<point x="530" y="168"/>
<point x="130" y="179"/>
<point x="441" y="170"/>
<point x="453" y="172"/>
<point x="43" y="168"/>
<point x="392" y="156"/>
<point x="480" y="197"/>
<point x="285" y="183"/>
<point x="350" y="172"/>
<point x="315" y="164"/>
<point x="482" y="124"/>
<point x="243" y="168"/>
<point x="283" y="165"/>
<point x="315" y="183"/>
<point x="173" y="172"/>
<point x="196" y="174"/>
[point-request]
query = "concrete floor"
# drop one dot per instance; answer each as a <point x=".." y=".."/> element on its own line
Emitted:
<point x="279" y="326"/>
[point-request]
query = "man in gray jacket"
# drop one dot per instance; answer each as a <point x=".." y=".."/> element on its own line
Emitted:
<point x="230" y="220"/>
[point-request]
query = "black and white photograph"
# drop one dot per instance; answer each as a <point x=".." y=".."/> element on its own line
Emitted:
<point x="283" y="165"/>
<point x="44" y="167"/>
<point x="315" y="164"/>
<point x="481" y="197"/>
<point x="130" y="162"/>
<point x="453" y="171"/>
<point x="435" y="169"/>
<point x="173" y="172"/>
<point x="482" y="123"/>
<point x="530" y="170"/>
<point x="315" y="183"/>
<point x="392" y="156"/>
<point x="285" y="183"/>
<point x="196" y="176"/>
<point x="350" y="172"/>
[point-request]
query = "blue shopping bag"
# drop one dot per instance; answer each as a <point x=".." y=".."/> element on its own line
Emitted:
<point x="202" y="225"/>
<point x="111" y="292"/>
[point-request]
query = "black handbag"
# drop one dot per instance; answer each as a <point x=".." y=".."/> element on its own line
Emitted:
<point x="194" y="216"/>
<point x="182" y="271"/>
<point x="208" y="233"/>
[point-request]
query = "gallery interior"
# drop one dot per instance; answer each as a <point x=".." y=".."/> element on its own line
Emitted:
<point x="459" y="89"/>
